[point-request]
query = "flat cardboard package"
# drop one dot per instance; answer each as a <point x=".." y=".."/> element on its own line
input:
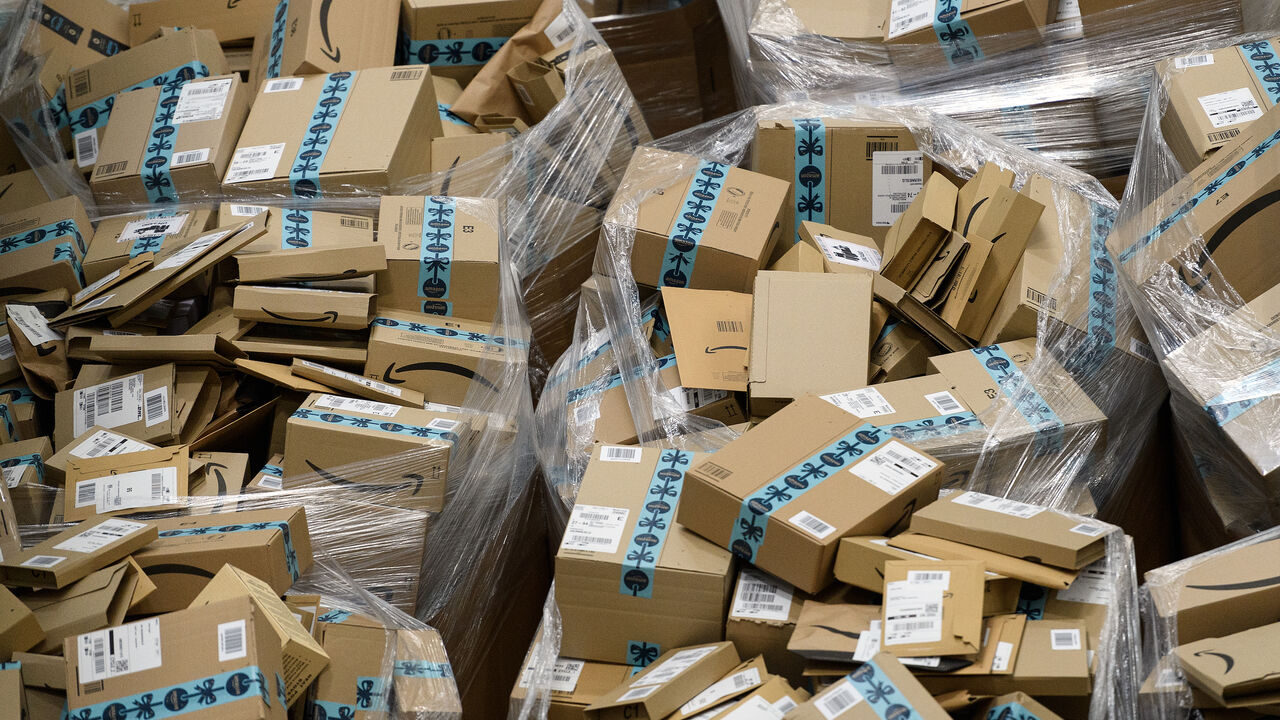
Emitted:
<point x="375" y="132"/>
<point x="457" y="38"/>
<point x="304" y="307"/>
<point x="230" y="21"/>
<point x="711" y="335"/>
<point x="932" y="608"/>
<point x="667" y="683"/>
<point x="861" y="562"/>
<point x="628" y="574"/>
<point x="1014" y="567"/>
<point x="127" y="483"/>
<point x="1028" y="292"/>
<point x="575" y="684"/>
<point x="120" y="239"/>
<point x="138" y="404"/>
<point x="42" y="247"/>
<point x="96" y="441"/>
<point x="307" y="245"/>
<point x="314" y="37"/>
<point x="99" y="600"/>
<point x="1250" y="670"/>
<point x="860" y="696"/>
<point x="442" y="256"/>
<point x="346" y="383"/>
<point x="722" y="214"/>
<point x="1221" y="594"/>
<point x="76" y="552"/>
<point x="919" y="232"/>
<point x="779" y="495"/>
<point x="439" y="357"/>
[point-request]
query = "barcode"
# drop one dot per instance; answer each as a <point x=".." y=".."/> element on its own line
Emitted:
<point x="405" y="75"/>
<point x="715" y="471"/>
<point x="157" y="486"/>
<point x="582" y="539"/>
<point x="904" y="169"/>
<point x="1038" y="298"/>
<point x="875" y="146"/>
<point x="282" y="85"/>
<point x="6" y="347"/>
<point x="202" y="89"/>
<point x="1087" y="529"/>
<point x="109" y="168"/>
<point x="927" y="577"/>
<point x="231" y="639"/>
<point x="112" y="396"/>
<point x="252" y="154"/>
<point x="899" y="207"/>
<point x="1193" y="61"/>
<point x="86" y="493"/>
<point x="271" y="482"/>
<point x="730" y="326"/>
<point x="811" y="523"/>
<point x="99" y="656"/>
<point x="1064" y="639"/>
<point x="838" y="700"/>
<point x="43" y="561"/>
<point x="620" y="454"/>
<point x="727" y="219"/>
<point x="155" y="408"/>
<point x="191" y="156"/>
<point x="80" y="84"/>
<point x="87" y="148"/>
<point x="754" y="601"/>
<point x="909" y="627"/>
<point x="742" y="680"/>
<point x="1224" y="135"/>
<point x="911" y="21"/>
<point x="944" y="402"/>
<point x="361" y="223"/>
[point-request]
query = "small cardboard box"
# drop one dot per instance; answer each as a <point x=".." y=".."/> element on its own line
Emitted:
<point x="810" y="334"/>
<point x="842" y="252"/>
<point x="1027" y="294"/>
<point x="1221" y="594"/>
<point x="447" y="265"/>
<point x="860" y="695"/>
<point x="125" y="402"/>
<point x="458" y="38"/>
<point x="75" y="552"/>
<point x="19" y="629"/>
<point x="916" y="236"/>
<point x="1030" y="532"/>
<point x="539" y="86"/>
<point x="314" y="37"/>
<point x="97" y="441"/>
<point x="42" y="247"/>
<point x="762" y="618"/>
<point x="231" y="22"/>
<point x="440" y="357"/>
<point x="801" y="258"/>
<point x="22" y="467"/>
<point x="304" y="307"/>
<point x="169" y="59"/>
<point x="170" y="143"/>
<point x="748" y="676"/>
<point x="377" y="127"/>
<point x="129" y="483"/>
<point x="903" y="305"/>
<point x="1013" y="567"/>
<point x="121" y="238"/>
<point x="274" y="545"/>
<point x="308" y="245"/>
<point x="330" y="440"/>
<point x="225" y="648"/>
<point x="1249" y="671"/>
<point x="861" y="560"/>
<point x="711" y="334"/>
<point x="76" y="33"/>
<point x="837" y="170"/>
<point x="621" y="577"/>
<point x="575" y="684"/>
<point x="784" y="493"/>
<point x="721" y="215"/>
<point x="666" y="684"/>
<point x="99" y="600"/>
<point x="932" y="608"/>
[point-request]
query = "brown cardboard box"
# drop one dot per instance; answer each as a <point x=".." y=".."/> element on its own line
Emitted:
<point x="437" y="356"/>
<point x="575" y="684"/>
<point x="901" y="352"/>
<point x="810" y="334"/>
<point x="99" y="600"/>
<point x="1221" y="594"/>
<point x="762" y="618"/>
<point x="863" y="22"/>
<point x="314" y="37"/>
<point x="1015" y="704"/>
<point x="457" y="38"/>
<point x="128" y="483"/>
<point x="42" y="247"/>
<point x="97" y="441"/>
<point x="200" y="120"/>
<point x="779" y="497"/>
<point x="304" y="307"/>
<point x="11" y="687"/>
<point x="113" y="397"/>
<point x="623" y="583"/>
<point x="539" y="86"/>
<point x="800" y="258"/>
<point x="270" y="478"/>
<point x="1018" y="19"/>
<point x="119" y="239"/>
<point x="22" y="467"/>
<point x="1235" y="666"/>
<point x="308" y="245"/>
<point x="22" y="406"/>
<point x="670" y="681"/>
<point x="274" y="545"/>
<point x="175" y="654"/>
<point x="1027" y="294"/>
<point x="221" y="474"/>
<point x="750" y="675"/>
<point x="772" y="696"/>
<point x="76" y="552"/>
<point x="903" y="305"/>
<point x="20" y="190"/>
<point x="19" y="629"/>
<point x="302" y="656"/>
<point x="916" y="236"/>
<point x="854" y="696"/>
<point x="447" y="93"/>
<point x="230" y="21"/>
<point x="860" y="562"/>
<point x="932" y="608"/>
<point x="462" y="236"/>
<point x="832" y="632"/>
<point x="842" y="252"/>
<point x="843" y="183"/>
<point x="1008" y="565"/>
<point x="378" y="135"/>
<point x="356" y="385"/>
<point x="189" y="350"/>
<point x="1031" y="532"/>
<point x="711" y="333"/>
<point x="450" y="152"/>
<point x="171" y="58"/>
<point x="733" y="227"/>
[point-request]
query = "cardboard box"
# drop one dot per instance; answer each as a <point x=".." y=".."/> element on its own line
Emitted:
<point x="1232" y="667"/>
<point x="20" y="190"/>
<point x="125" y="402"/>
<point x="97" y="441"/>
<point x="670" y="681"/>
<point x="916" y="236"/>
<point x="440" y="357"/>
<point x="1028" y="291"/>
<point x="575" y="684"/>
<point x="539" y="86"/>
<point x="727" y="216"/>
<point x="19" y="629"/>
<point x="903" y="305"/>
<point x="231" y="22"/>
<point x="1015" y="704"/>
<point x="810" y="334"/>
<point x="779" y="495"/>
<point x="458" y="38"/>
<point x="842" y="252"/>
<point x="711" y="333"/>
<point x="121" y="238"/>
<point x="855" y="696"/>
<point x="356" y="385"/>
<point x="169" y="59"/>
<point x="750" y="675"/>
<point x="1016" y="22"/>
<point x="129" y="483"/>
<point x="224" y="646"/>
<point x="861" y="560"/>
<point x="1008" y="565"/>
<point x="274" y="545"/>
<point x="801" y="258"/>
<point x="762" y="618"/>
<point x="330" y="440"/>
<point x="1220" y="594"/>
<point x="854" y="175"/>
<point x="376" y="133"/>
<point x="76" y="552"/>
<point x="1031" y="532"/>
<point x="624" y="582"/>
<point x="308" y="245"/>
<point x="447" y="93"/>
<point x="862" y="23"/>
<point x="313" y="37"/>
<point x="42" y="247"/>
<point x="932" y="608"/>
<point x="900" y="352"/>
<point x="22" y="407"/>
<point x="22" y="467"/>
<point x="99" y="600"/>
<point x="304" y="307"/>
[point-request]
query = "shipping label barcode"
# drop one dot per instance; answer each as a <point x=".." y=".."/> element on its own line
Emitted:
<point x="231" y="643"/>
<point x="271" y="482"/>
<point x="86" y="493"/>
<point x="157" y="406"/>
<point x="760" y="597"/>
<point x="1064" y="639"/>
<point x="998" y="504"/>
<point x="903" y="169"/>
<point x="1224" y="135"/>
<point x="941" y="577"/>
<point x="915" y="625"/>
<point x="6" y="347"/>
<point x="944" y="402"/>
<point x="899" y="207"/>
<point x="811" y="524"/>
<point x="875" y="146"/>
<point x="837" y="700"/>
<point x="1087" y="529"/>
<point x="399" y="75"/>
<point x="111" y="168"/>
<point x="1193" y="61"/>
<point x="715" y="471"/>
<point x="282" y="85"/>
<point x="730" y="326"/>
<point x="99" y="655"/>
<point x="80" y="84"/>
<point x="43" y="561"/>
<point x="87" y="148"/>
<point x="1035" y="297"/>
<point x="157" y="486"/>
<point x="190" y="157"/>
<point x="354" y="222"/>
<point x="198" y="89"/>
<point x="614" y="453"/>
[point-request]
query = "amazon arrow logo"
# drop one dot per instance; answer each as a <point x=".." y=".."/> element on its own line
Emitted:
<point x="330" y="316"/>
<point x="334" y="54"/>
<point x="712" y="350"/>
<point x="389" y="375"/>
<point x="1247" y="585"/>
<point x="1225" y="658"/>
<point x="217" y="469"/>
<point x="845" y="633"/>
<point x="414" y="485"/>
<point x="6" y="189"/>
<point x="177" y="569"/>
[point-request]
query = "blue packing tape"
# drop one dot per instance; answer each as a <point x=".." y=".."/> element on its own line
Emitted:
<point x="393" y="428"/>
<point x="290" y="556"/>
<point x="446" y="114"/>
<point x="42" y="234"/>
<point x="1011" y="711"/>
<point x="748" y="533"/>
<point x="275" y="51"/>
<point x="9" y="427"/>
<point x="958" y="41"/>
<point x="334" y="616"/>
<point x="17" y="394"/>
<point x="691" y="220"/>
<point x="641" y="654"/>
<point x="1251" y="390"/>
<point x="162" y="137"/>
<point x="645" y="546"/>
<point x="454" y="52"/>
<point x="422" y="669"/>
<point x="275" y="470"/>
<point x="182" y="698"/>
<point x="810" y="172"/>
<point x="884" y="697"/>
<point x="1261" y="57"/>
<point x="935" y="427"/>
<point x="66" y="251"/>
<point x="308" y="163"/>
<point x="33" y="460"/>
<point x="1102" y="297"/>
<point x="149" y="243"/>
<point x="1025" y="398"/>
<point x="295" y="231"/>
<point x="1032" y="600"/>
<point x="615" y="380"/>
<point x="435" y="254"/>
<point x="95" y="114"/>
<point x="428" y="329"/>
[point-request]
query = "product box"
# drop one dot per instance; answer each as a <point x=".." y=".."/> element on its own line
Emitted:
<point x="711" y="335"/>
<point x="854" y="175"/>
<point x="22" y="405"/>
<point x="748" y="676"/>
<point x="307" y="245"/>
<point x="861" y="695"/>
<point x="575" y="684"/>
<point x="779" y="495"/>
<point x="76" y="552"/>
<point x="1221" y="594"/>
<point x="919" y="232"/>
<point x="304" y="307"/>
<point x="220" y="660"/>
<point x="99" y="600"/>
<point x="122" y="484"/>
<point x="810" y="334"/>
<point x="440" y="357"/>
<point x="727" y="216"/>
<point x="331" y="441"/>
<point x="457" y="38"/>
<point x="274" y="545"/>
<point x="42" y="247"/>
<point x="231" y="21"/>
<point x="20" y="190"/>
<point x="125" y="402"/>
<point x="624" y="563"/>
<point x="22" y="468"/>
<point x="670" y="681"/>
<point x="171" y="142"/>
<point x="861" y="560"/>
<point x="171" y="59"/>
<point x="315" y="37"/>
<point x="374" y="131"/>
<point x="539" y="85"/>
<point x="932" y="608"/>
<point x="445" y="265"/>
<point x="122" y="238"/>
<point x="19" y="629"/>
<point x="762" y="617"/>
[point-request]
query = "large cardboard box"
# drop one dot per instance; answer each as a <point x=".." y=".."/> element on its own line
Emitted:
<point x="784" y="493"/>
<point x="171" y="142"/>
<point x="22" y="468"/>
<point x="442" y="256"/>
<point x="962" y="26"/>
<point x="440" y="357"/>
<point x="121" y="238"/>
<point x="112" y="397"/>
<point x="74" y="34"/>
<point x="629" y="577"/>
<point x="456" y="38"/>
<point x="342" y="133"/>
<point x="1220" y="594"/>
<point x="41" y="247"/>
<point x="862" y="22"/>
<point x="315" y="37"/>
<point x="232" y="22"/>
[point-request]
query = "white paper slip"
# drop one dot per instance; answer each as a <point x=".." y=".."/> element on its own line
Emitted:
<point x="247" y="210"/>
<point x="847" y="253"/>
<point x="104" y="443"/>
<point x="86" y="148"/>
<point x="231" y="641"/>
<point x="837" y="699"/>
<point x="100" y="535"/>
<point x="201" y="101"/>
<point x="13" y="475"/>
<point x="191" y="251"/>
<point x="1064" y="639"/>
<point x="564" y="676"/>
<point x="673" y="666"/>
<point x="908" y="15"/>
<point x="760" y="597"/>
<point x="755" y="708"/>
<point x="1230" y="107"/>
<point x="864" y="402"/>
<point x="153" y="227"/>
<point x="138" y="489"/>
<point x="1092" y="586"/>
<point x="254" y="163"/>
<point x="1188" y="61"/>
<point x="42" y="561"/>
<point x="190" y="157"/>
<point x="897" y="177"/>
<point x="282" y="85"/>
<point x="31" y="324"/>
<point x="868" y="643"/>
<point x="94" y="287"/>
<point x="6" y="347"/>
<point x="1004" y="653"/>
<point x="912" y="613"/>
<point x="998" y="504"/>
<point x="119" y="650"/>
<point x="352" y="377"/>
<point x="156" y="406"/>
<point x="109" y="404"/>
<point x="334" y="402"/>
<point x="812" y="524"/>
<point x="560" y="30"/>
<point x="618" y="453"/>
<point x="893" y="467"/>
<point x="722" y="689"/>
<point x="944" y="402"/>
<point x="638" y="693"/>
<point x="596" y="528"/>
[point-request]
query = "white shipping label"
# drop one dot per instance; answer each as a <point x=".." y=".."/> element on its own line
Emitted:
<point x="595" y="528"/>
<point x="247" y="210"/>
<point x="944" y="402"/>
<point x="333" y="402"/>
<point x="637" y="693"/>
<point x="865" y="403"/>
<point x="908" y="15"/>
<point x="673" y="666"/>
<point x="588" y="411"/>
<point x="1068" y="9"/>
<point x="1064" y="639"/>
<point x="42" y="561"/>
<point x="1230" y="107"/>
<point x="912" y="612"/>
<point x="785" y="705"/>
<point x="837" y="699"/>
<point x="847" y="253"/>
<point x="86" y="148"/>
<point x="13" y="475"/>
<point x="722" y="689"/>
<point x="104" y="443"/>
<point x="812" y="524"/>
<point x="760" y="597"/>
<point x="98" y="302"/>
<point x="998" y="504"/>
<point x="1090" y="529"/>
<point x="755" y="708"/>
<point x="617" y="453"/>
<point x="271" y="482"/>
<point x="6" y="347"/>
<point x="118" y="651"/>
<point x="560" y="30"/>
<point x="564" y="676"/>
<point x="893" y="467"/>
<point x="141" y="488"/>
<point x="359" y="379"/>
<point x="231" y="641"/>
<point x="190" y="157"/>
<point x="202" y="101"/>
<point x="120" y="333"/>
<point x="191" y="251"/>
<point x="94" y="287"/>
<point x="896" y="178"/>
<point x="156" y="406"/>
<point x="1004" y="653"/>
<point x="1092" y="586"/>
<point x="109" y="404"/>
<point x="153" y="227"/>
<point x="254" y="163"/>
<point x="100" y="536"/>
<point x="868" y="643"/>
<point x="31" y="324"/>
<point x="282" y="85"/>
<point x="443" y="424"/>
<point x="694" y="398"/>
<point x="1187" y="61"/>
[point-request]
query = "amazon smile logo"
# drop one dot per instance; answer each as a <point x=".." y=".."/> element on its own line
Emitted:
<point x="329" y="51"/>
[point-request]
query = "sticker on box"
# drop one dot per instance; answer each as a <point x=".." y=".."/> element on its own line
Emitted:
<point x="759" y="597"/>
<point x="893" y="467"/>
<point x="897" y="177"/>
<point x="595" y="528"/>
